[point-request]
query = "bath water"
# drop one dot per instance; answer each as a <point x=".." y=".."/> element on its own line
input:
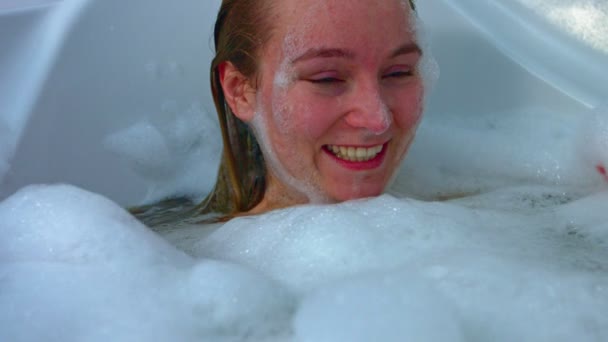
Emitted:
<point x="502" y="240"/>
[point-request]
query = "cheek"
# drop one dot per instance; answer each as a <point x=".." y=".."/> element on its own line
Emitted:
<point x="408" y="107"/>
<point x="302" y="116"/>
<point x="281" y="113"/>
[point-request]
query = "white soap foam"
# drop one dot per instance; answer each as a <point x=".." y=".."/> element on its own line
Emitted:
<point x="337" y="241"/>
<point x="304" y="187"/>
<point x="75" y="267"/>
<point x="63" y="224"/>
<point x="460" y="155"/>
<point x="427" y="66"/>
<point x="583" y="19"/>
<point x="177" y="157"/>
<point x="377" y="307"/>
<point x="525" y="263"/>
<point x="492" y="264"/>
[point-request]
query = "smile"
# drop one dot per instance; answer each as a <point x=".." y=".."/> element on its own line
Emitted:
<point x="355" y="154"/>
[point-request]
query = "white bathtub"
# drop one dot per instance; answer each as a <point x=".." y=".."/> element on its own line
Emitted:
<point x="77" y="71"/>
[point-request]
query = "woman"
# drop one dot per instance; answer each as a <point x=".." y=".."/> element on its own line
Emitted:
<point x="318" y="100"/>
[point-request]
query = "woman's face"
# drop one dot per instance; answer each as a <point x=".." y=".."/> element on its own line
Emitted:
<point x="338" y="97"/>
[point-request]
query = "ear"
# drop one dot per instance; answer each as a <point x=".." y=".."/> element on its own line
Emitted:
<point x="239" y="93"/>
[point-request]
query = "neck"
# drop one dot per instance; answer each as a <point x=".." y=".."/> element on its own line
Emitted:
<point x="277" y="196"/>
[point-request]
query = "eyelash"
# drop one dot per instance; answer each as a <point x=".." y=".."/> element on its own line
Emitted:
<point x="333" y="80"/>
<point x="326" y="80"/>
<point x="400" y="74"/>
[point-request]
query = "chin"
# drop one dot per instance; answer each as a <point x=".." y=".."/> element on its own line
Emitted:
<point x="357" y="192"/>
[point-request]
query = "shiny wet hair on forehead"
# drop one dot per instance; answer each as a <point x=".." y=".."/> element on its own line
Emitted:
<point x="241" y="29"/>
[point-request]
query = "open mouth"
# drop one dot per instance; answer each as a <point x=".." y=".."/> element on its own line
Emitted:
<point x="355" y="154"/>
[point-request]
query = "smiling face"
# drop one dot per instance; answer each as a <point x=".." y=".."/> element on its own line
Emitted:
<point x="337" y="101"/>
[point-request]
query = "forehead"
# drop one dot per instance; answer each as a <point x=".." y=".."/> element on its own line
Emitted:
<point x="371" y="24"/>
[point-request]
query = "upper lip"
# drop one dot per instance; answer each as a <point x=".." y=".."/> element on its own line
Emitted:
<point x="367" y="145"/>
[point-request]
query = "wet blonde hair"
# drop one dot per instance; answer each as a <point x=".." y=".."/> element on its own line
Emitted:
<point x="241" y="30"/>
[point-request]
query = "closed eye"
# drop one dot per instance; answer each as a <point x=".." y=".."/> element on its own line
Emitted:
<point x="326" y="80"/>
<point x="400" y="74"/>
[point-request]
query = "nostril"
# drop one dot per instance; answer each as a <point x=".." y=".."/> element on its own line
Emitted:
<point x="376" y="122"/>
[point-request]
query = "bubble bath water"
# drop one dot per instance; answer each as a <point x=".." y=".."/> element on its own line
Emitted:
<point x="523" y="263"/>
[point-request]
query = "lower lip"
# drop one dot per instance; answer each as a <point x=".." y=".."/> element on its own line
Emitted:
<point x="361" y="165"/>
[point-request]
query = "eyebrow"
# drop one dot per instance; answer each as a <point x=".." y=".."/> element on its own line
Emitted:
<point x="407" y="49"/>
<point x="324" y="53"/>
<point x="404" y="49"/>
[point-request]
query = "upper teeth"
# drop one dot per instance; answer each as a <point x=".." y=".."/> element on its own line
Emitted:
<point x="355" y="153"/>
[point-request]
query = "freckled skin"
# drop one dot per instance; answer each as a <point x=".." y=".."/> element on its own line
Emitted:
<point x="368" y="106"/>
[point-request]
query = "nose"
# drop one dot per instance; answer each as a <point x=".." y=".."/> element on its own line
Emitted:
<point x="367" y="110"/>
